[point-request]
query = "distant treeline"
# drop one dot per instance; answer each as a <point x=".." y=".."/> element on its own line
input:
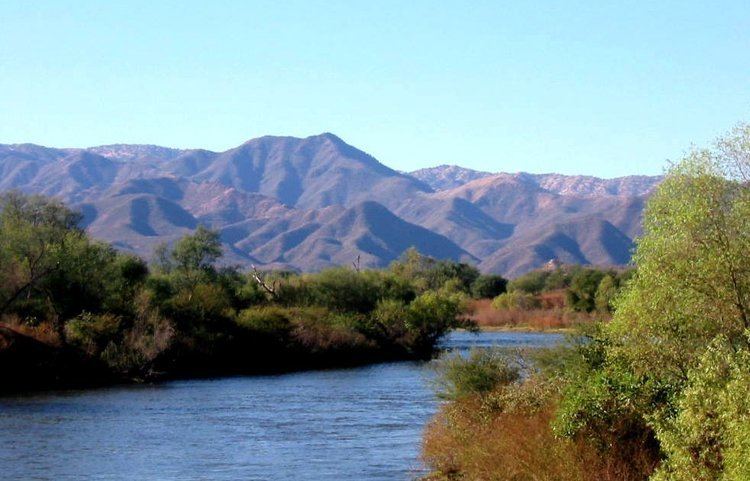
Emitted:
<point x="552" y="298"/>
<point x="585" y="289"/>
<point x="76" y="311"/>
<point x="658" y="392"/>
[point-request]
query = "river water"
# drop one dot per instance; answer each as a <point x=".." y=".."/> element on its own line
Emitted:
<point x="345" y="424"/>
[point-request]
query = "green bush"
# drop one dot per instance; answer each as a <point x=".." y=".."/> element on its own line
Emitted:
<point x="93" y="332"/>
<point x="430" y="316"/>
<point x="270" y="320"/>
<point x="343" y="289"/>
<point x="389" y="319"/>
<point x="488" y="286"/>
<point x="480" y="372"/>
<point x="533" y="282"/>
<point x="708" y="435"/>
<point x="516" y="300"/>
<point x="426" y="273"/>
<point x="320" y="331"/>
<point x="205" y="303"/>
<point x="581" y="294"/>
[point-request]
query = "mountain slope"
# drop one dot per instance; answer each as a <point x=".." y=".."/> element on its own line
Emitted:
<point x="313" y="172"/>
<point x="445" y="177"/>
<point x="308" y="203"/>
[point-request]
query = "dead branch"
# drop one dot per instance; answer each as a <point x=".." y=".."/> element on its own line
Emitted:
<point x="258" y="276"/>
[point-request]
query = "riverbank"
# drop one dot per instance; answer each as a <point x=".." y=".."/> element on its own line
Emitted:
<point x="526" y="329"/>
<point x="78" y="312"/>
<point x="41" y="366"/>
<point x="362" y="423"/>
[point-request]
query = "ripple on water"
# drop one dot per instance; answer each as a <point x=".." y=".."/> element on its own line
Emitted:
<point x="362" y="423"/>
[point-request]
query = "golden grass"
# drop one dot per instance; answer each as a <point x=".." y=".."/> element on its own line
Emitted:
<point x="465" y="442"/>
<point x="552" y="316"/>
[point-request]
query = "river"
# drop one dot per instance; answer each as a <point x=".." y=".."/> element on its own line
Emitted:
<point x="361" y="424"/>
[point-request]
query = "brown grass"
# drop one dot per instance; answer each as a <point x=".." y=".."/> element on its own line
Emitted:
<point x="43" y="332"/>
<point x="552" y="316"/>
<point x="462" y="443"/>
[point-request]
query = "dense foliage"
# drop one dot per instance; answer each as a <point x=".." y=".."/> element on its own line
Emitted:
<point x="586" y="289"/>
<point x="184" y="315"/>
<point x="660" y="392"/>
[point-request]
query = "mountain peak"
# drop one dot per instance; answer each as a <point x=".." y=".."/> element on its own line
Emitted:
<point x="316" y="201"/>
<point x="328" y="136"/>
<point x="446" y="177"/>
<point x="130" y="152"/>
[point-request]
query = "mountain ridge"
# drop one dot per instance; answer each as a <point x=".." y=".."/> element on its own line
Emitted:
<point x="307" y="203"/>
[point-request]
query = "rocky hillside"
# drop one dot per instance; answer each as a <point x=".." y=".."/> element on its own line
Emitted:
<point x="314" y="202"/>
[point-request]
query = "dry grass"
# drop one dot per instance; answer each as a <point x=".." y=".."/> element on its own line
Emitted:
<point x="43" y="332"/>
<point x="464" y="443"/>
<point x="552" y="316"/>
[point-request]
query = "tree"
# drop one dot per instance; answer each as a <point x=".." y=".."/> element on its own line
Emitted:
<point x="488" y="286"/>
<point x="35" y="236"/>
<point x="516" y="300"/>
<point x="680" y="325"/>
<point x="605" y="294"/>
<point x="581" y="293"/>
<point x="693" y="277"/>
<point x="532" y="282"/>
<point x="198" y="251"/>
<point x="427" y="273"/>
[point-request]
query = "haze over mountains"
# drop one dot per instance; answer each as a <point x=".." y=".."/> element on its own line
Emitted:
<point x="286" y="202"/>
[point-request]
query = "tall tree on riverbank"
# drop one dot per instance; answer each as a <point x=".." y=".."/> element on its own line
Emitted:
<point x="682" y="323"/>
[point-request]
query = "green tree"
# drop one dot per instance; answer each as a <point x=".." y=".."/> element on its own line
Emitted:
<point x="691" y="291"/>
<point x="429" y="317"/>
<point x="708" y="436"/>
<point x="488" y="286"/>
<point x="515" y="300"/>
<point x="192" y="258"/>
<point x="427" y="273"/>
<point x="36" y="234"/>
<point x="581" y="294"/>
<point x="198" y="251"/>
<point x="532" y="282"/>
<point x="605" y="294"/>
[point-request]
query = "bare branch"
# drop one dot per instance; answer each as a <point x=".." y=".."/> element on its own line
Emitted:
<point x="258" y="276"/>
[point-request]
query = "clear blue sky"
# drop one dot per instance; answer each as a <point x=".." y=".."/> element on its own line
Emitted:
<point x="590" y="87"/>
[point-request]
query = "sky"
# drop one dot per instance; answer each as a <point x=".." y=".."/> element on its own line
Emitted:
<point x="591" y="87"/>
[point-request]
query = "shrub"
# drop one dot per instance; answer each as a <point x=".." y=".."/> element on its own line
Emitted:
<point x="389" y="319"/>
<point x="429" y="317"/>
<point x="708" y="435"/>
<point x="92" y="332"/>
<point x="533" y="282"/>
<point x="605" y="294"/>
<point x="505" y="435"/>
<point x="320" y="331"/>
<point x="480" y="372"/>
<point x="581" y="293"/>
<point x="343" y="289"/>
<point x="268" y="321"/>
<point x="488" y="286"/>
<point x="205" y="303"/>
<point x="516" y="300"/>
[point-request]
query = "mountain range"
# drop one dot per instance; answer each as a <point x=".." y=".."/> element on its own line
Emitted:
<point x="309" y="203"/>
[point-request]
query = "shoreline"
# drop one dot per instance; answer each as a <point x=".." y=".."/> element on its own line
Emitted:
<point x="524" y="329"/>
<point x="101" y="381"/>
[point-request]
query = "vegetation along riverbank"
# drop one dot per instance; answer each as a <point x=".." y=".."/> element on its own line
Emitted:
<point x="74" y="311"/>
<point x="658" y="392"/>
